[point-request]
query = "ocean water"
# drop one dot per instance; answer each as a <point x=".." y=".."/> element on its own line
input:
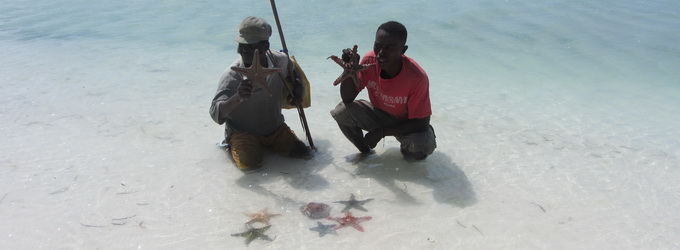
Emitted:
<point x="557" y="127"/>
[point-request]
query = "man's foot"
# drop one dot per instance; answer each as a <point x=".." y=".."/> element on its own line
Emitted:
<point x="302" y="151"/>
<point x="356" y="158"/>
<point x="224" y="144"/>
<point x="365" y="150"/>
<point x="250" y="170"/>
<point x="356" y="137"/>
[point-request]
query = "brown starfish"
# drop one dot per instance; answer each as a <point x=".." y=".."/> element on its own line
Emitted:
<point x="351" y="68"/>
<point x="256" y="73"/>
<point x="263" y="216"/>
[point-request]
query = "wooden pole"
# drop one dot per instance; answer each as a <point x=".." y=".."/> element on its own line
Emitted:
<point x="301" y="111"/>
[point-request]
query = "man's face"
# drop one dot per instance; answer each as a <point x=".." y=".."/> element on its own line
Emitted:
<point x="248" y="50"/>
<point x="388" y="50"/>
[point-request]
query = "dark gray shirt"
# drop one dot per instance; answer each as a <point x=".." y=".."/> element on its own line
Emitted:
<point x="260" y="113"/>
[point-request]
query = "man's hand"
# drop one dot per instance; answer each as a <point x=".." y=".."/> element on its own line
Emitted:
<point x="347" y="54"/>
<point x="373" y="137"/>
<point x="245" y="90"/>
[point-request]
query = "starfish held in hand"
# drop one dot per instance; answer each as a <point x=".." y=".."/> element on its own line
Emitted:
<point x="256" y="73"/>
<point x="351" y="68"/>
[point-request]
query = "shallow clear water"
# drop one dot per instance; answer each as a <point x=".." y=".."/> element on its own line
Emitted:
<point x="556" y="123"/>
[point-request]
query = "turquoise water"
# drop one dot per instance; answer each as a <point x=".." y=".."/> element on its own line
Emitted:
<point x="556" y="123"/>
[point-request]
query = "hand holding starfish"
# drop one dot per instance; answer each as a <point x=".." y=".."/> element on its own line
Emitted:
<point x="351" y="67"/>
<point x="244" y="90"/>
<point x="256" y="73"/>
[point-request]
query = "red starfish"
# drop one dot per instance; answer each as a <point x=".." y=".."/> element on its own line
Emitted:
<point x="256" y="73"/>
<point x="349" y="220"/>
<point x="352" y="68"/>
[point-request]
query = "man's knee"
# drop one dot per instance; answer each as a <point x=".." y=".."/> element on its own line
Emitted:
<point x="246" y="152"/>
<point x="418" y="146"/>
<point x="353" y="114"/>
<point x="415" y="154"/>
<point x="286" y="143"/>
<point x="339" y="113"/>
<point x="247" y="161"/>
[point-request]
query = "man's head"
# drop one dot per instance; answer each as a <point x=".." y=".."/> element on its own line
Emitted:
<point x="253" y="30"/>
<point x="389" y="45"/>
<point x="254" y="33"/>
<point x="395" y="29"/>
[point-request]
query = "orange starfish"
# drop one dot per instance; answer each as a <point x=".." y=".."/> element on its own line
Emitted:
<point x="263" y="216"/>
<point x="256" y="73"/>
<point x="350" y="220"/>
<point x="351" y="68"/>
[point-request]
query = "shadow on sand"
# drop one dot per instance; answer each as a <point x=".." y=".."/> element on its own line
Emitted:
<point x="297" y="173"/>
<point x="448" y="182"/>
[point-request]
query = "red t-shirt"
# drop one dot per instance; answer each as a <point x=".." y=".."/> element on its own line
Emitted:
<point x="406" y="96"/>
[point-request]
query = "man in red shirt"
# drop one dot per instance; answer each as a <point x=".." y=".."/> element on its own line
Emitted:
<point x="398" y="89"/>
